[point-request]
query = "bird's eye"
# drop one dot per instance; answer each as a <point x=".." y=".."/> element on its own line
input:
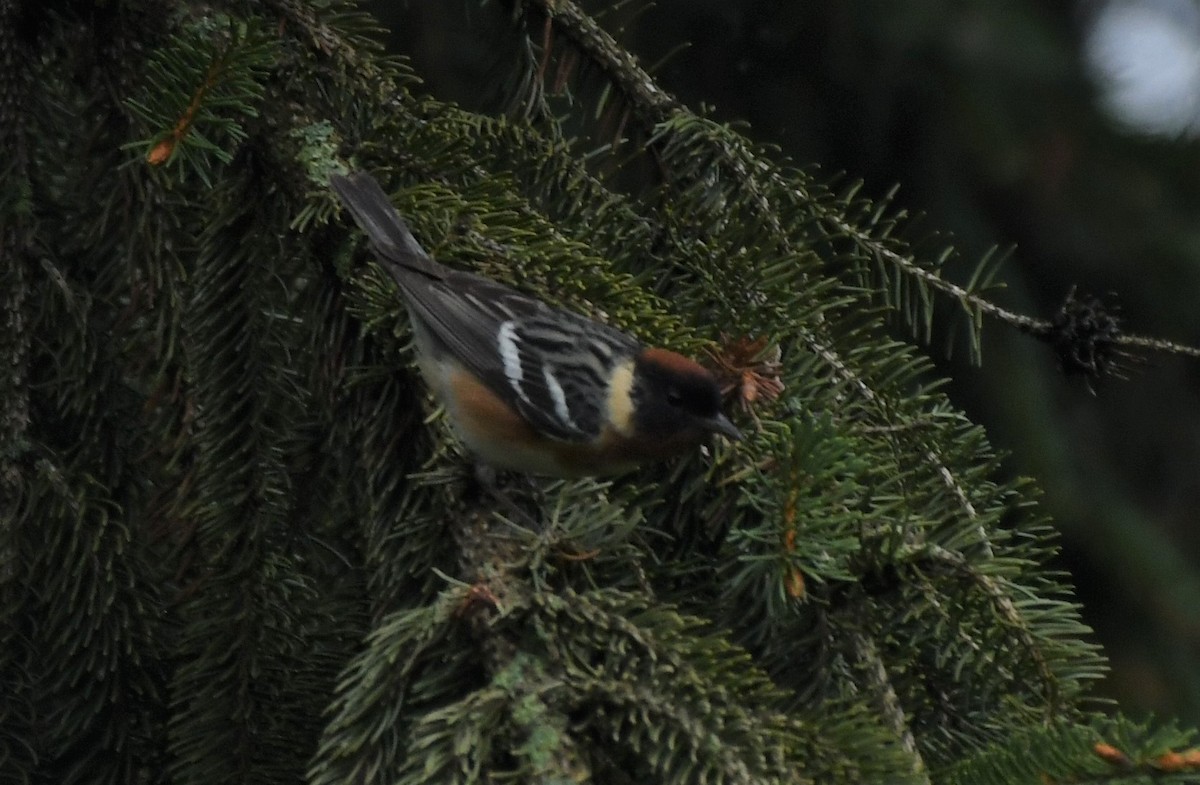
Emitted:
<point x="674" y="397"/>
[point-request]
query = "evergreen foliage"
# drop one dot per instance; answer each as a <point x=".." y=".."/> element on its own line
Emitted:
<point x="238" y="545"/>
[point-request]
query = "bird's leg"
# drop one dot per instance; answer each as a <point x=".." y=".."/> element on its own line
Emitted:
<point x="485" y="482"/>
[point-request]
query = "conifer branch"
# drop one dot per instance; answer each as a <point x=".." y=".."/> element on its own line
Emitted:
<point x="1115" y="750"/>
<point x="196" y="87"/>
<point x="1001" y="600"/>
<point x="166" y="147"/>
<point x="332" y="40"/>
<point x="1158" y="345"/>
<point x="1050" y="331"/>
<point x="246" y="525"/>
<point x="637" y="86"/>
<point x="887" y="700"/>
<point x="654" y="106"/>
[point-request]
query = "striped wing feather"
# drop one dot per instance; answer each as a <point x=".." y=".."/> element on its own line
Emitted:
<point x="553" y="366"/>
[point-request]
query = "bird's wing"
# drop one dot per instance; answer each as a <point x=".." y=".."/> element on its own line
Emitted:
<point x="553" y="366"/>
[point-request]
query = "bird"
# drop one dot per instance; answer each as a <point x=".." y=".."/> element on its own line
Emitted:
<point x="529" y="387"/>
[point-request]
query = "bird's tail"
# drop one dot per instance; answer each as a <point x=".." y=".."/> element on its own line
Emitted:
<point x="387" y="231"/>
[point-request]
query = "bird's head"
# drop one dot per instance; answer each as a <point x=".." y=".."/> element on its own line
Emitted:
<point x="676" y="399"/>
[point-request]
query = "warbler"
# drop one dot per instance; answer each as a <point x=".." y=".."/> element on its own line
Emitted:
<point x="530" y="387"/>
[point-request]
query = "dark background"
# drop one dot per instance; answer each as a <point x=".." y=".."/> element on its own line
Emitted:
<point x="988" y="118"/>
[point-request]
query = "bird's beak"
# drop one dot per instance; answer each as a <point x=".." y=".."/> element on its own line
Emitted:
<point x="721" y="424"/>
